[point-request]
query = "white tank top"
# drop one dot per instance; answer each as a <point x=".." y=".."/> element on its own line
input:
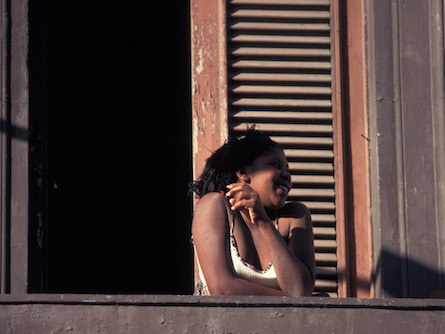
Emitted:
<point x="241" y="268"/>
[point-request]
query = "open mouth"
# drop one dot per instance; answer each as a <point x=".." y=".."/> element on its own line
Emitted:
<point x="285" y="188"/>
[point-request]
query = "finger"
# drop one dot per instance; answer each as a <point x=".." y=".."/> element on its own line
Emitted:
<point x="230" y="186"/>
<point x="240" y="196"/>
<point x="236" y="188"/>
<point x="244" y="204"/>
<point x="236" y="197"/>
<point x="238" y="184"/>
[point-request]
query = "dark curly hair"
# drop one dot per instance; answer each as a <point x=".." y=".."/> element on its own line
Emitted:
<point x="220" y="169"/>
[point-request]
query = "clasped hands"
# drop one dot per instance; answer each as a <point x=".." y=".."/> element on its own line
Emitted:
<point x="244" y="198"/>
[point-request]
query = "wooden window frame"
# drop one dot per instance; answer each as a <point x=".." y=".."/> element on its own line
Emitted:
<point x="210" y="125"/>
<point x="14" y="148"/>
<point x="352" y="126"/>
<point x="210" y="130"/>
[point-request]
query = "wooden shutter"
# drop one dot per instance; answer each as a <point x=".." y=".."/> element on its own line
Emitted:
<point x="279" y="77"/>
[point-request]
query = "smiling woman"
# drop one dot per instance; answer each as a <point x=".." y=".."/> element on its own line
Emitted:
<point x="248" y="240"/>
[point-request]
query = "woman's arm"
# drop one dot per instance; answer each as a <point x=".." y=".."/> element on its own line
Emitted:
<point x="210" y="235"/>
<point x="293" y="263"/>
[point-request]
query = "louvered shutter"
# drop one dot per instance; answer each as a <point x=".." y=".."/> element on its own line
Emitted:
<point x="279" y="77"/>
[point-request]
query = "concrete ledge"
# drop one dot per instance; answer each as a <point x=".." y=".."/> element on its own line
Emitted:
<point x="60" y="313"/>
<point x="222" y="301"/>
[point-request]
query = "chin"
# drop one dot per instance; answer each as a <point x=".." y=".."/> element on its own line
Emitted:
<point x="279" y="205"/>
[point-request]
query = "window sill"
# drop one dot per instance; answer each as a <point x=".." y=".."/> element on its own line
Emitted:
<point x="84" y="313"/>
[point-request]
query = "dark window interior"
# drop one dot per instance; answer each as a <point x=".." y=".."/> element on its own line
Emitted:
<point x="110" y="147"/>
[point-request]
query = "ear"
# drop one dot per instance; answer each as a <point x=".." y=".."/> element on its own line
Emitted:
<point x="242" y="175"/>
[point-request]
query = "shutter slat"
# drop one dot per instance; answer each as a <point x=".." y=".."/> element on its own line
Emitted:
<point x="285" y="52"/>
<point x="322" y="154"/>
<point x="284" y="115"/>
<point x="301" y="103"/>
<point x="282" y="2"/>
<point x="323" y="218"/>
<point x="304" y="90"/>
<point x="286" y="77"/>
<point x="325" y="258"/>
<point x="325" y="244"/>
<point x="303" y="141"/>
<point x="302" y="192"/>
<point x="284" y="64"/>
<point x="325" y="271"/>
<point x="272" y="26"/>
<point x="279" y="14"/>
<point x="281" y="39"/>
<point x="324" y="232"/>
<point x="321" y="179"/>
<point x="279" y="127"/>
<point x="326" y="285"/>
<point x="319" y="206"/>
<point x="310" y="166"/>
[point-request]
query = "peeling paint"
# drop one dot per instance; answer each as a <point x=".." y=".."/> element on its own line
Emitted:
<point x="195" y="140"/>
<point x="200" y="65"/>
<point x="203" y="120"/>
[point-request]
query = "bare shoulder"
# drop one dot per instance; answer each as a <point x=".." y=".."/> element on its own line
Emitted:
<point x="295" y="214"/>
<point x="211" y="201"/>
<point x="294" y="210"/>
<point x="210" y="210"/>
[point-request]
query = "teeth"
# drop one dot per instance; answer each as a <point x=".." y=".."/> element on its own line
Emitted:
<point x="283" y="187"/>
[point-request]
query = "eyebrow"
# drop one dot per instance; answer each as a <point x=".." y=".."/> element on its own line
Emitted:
<point x="281" y="162"/>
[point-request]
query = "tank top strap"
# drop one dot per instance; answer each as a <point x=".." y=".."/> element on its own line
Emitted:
<point x="230" y="218"/>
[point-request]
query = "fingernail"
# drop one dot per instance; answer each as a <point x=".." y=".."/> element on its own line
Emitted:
<point x="229" y="186"/>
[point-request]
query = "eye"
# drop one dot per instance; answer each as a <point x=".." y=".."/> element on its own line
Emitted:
<point x="276" y="165"/>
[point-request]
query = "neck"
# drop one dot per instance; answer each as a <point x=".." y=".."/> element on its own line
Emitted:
<point x="272" y="213"/>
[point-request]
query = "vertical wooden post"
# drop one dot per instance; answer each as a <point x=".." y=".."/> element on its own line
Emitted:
<point x="351" y="150"/>
<point x="14" y="147"/>
<point x="359" y="147"/>
<point x="209" y="79"/>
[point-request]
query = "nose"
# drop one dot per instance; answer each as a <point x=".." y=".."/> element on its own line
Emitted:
<point x="285" y="174"/>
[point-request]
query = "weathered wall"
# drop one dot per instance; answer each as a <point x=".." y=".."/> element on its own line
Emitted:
<point x="406" y="115"/>
<point x="184" y="314"/>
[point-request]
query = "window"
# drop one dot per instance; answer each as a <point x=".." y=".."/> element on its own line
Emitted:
<point x="110" y="120"/>
<point x="278" y="64"/>
<point x="93" y="112"/>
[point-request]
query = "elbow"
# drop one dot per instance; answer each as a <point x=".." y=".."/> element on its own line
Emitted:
<point x="223" y="288"/>
<point x="304" y="288"/>
<point x="308" y="285"/>
<point x="302" y="291"/>
<point x="219" y="290"/>
<point x="308" y="290"/>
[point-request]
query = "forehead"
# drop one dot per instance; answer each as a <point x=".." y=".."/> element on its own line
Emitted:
<point x="275" y="153"/>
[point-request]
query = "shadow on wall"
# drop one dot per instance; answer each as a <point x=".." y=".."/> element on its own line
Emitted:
<point x="401" y="277"/>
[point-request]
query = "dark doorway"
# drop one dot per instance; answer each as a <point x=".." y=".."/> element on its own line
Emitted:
<point x="111" y="150"/>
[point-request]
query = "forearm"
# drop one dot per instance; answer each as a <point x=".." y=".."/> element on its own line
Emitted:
<point x="294" y="276"/>
<point x="236" y="286"/>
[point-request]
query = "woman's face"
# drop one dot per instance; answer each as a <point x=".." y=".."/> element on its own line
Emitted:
<point x="269" y="176"/>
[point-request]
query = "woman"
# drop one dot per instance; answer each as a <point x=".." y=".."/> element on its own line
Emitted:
<point x="248" y="240"/>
